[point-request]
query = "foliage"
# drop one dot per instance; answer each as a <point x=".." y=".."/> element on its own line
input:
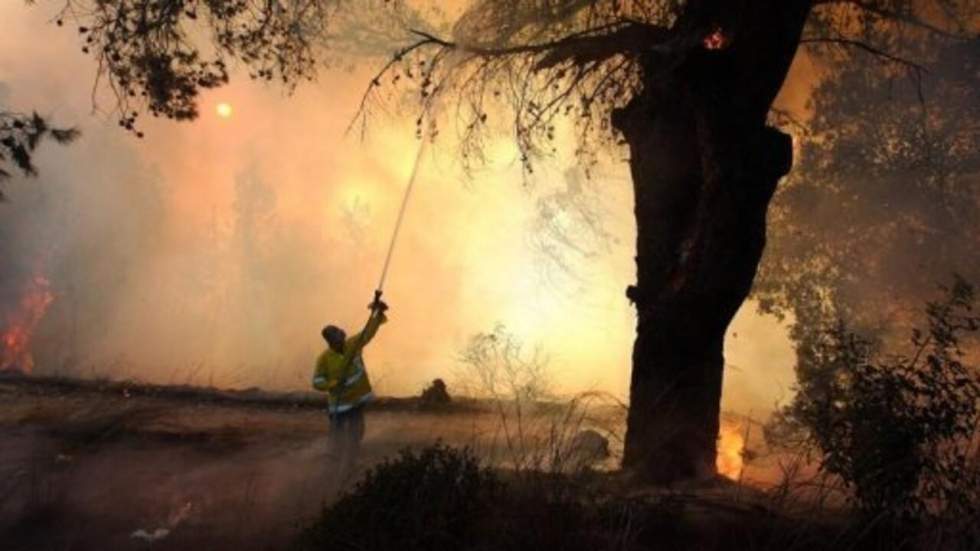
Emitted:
<point x="403" y="503"/>
<point x="898" y="429"/>
<point x="541" y="61"/>
<point x="430" y="499"/>
<point x="19" y="137"/>
<point x="883" y="200"/>
<point x="153" y="58"/>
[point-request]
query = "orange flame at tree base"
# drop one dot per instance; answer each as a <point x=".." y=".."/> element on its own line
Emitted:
<point x="731" y="447"/>
<point x="19" y="326"/>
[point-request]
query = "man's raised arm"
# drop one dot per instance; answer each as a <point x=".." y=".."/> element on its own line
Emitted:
<point x="355" y="343"/>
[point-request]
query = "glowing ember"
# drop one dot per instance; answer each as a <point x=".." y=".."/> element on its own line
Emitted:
<point x="716" y="40"/>
<point x="731" y="445"/>
<point x="15" y="340"/>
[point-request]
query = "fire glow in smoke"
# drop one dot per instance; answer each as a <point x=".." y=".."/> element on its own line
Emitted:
<point x="19" y="325"/>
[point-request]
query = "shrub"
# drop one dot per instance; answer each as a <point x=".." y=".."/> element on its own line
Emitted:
<point x="428" y="499"/>
<point x="441" y="498"/>
<point x="897" y="429"/>
<point x="435" y="395"/>
<point x="495" y="365"/>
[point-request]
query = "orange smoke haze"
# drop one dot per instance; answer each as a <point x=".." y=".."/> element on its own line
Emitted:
<point x="213" y="252"/>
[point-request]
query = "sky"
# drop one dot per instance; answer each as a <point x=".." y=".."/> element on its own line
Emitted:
<point x="212" y="252"/>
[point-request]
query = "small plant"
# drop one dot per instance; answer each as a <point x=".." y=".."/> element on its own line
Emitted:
<point x="537" y="428"/>
<point x="495" y="365"/>
<point x="897" y="429"/>
<point x="430" y="499"/>
<point x="435" y="395"/>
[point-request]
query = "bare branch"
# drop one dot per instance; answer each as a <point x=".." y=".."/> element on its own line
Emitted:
<point x="848" y="42"/>
<point x="876" y="9"/>
<point x="427" y="40"/>
<point x="594" y="44"/>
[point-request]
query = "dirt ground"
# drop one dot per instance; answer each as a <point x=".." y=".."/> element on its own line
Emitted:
<point x="90" y="465"/>
<point x="87" y="465"/>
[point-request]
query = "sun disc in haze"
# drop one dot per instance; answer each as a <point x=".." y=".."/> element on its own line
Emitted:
<point x="223" y="110"/>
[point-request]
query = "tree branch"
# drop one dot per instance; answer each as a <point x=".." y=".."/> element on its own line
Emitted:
<point x="595" y="44"/>
<point x="427" y="40"/>
<point x="589" y="47"/>
<point x="892" y="15"/>
<point x="840" y="41"/>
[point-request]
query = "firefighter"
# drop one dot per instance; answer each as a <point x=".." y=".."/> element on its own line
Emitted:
<point x="340" y="372"/>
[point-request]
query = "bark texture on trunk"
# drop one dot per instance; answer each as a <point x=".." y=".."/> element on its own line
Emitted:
<point x="704" y="167"/>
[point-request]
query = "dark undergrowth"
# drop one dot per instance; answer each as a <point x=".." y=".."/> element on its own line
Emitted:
<point x="442" y="498"/>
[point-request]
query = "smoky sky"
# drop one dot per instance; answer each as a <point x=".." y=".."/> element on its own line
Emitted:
<point x="213" y="252"/>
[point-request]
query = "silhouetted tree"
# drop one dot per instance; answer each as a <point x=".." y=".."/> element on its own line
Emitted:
<point x="686" y="86"/>
<point x="884" y="199"/>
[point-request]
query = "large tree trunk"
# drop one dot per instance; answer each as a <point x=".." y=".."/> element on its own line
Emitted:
<point x="704" y="167"/>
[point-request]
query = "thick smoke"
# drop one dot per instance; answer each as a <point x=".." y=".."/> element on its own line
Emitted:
<point x="213" y="252"/>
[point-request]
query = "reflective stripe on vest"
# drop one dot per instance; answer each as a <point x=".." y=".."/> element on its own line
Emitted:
<point x="358" y="365"/>
<point x="341" y="408"/>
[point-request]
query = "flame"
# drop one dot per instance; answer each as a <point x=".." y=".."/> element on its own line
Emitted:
<point x="15" y="339"/>
<point x="716" y="40"/>
<point x="731" y="450"/>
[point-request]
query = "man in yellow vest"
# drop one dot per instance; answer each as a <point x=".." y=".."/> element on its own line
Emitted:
<point x="340" y="372"/>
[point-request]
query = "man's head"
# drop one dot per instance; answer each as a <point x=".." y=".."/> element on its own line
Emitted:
<point x="335" y="337"/>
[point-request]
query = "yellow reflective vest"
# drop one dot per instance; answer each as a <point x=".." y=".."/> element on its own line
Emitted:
<point x="343" y="376"/>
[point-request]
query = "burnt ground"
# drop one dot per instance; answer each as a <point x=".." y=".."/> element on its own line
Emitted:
<point x="88" y="465"/>
<point x="119" y="465"/>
